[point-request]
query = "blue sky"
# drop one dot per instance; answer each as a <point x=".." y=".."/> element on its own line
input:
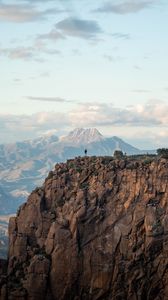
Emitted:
<point x="70" y="63"/>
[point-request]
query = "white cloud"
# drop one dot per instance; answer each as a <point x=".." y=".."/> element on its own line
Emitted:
<point x="79" y="28"/>
<point x="149" y="114"/>
<point x="28" y="53"/>
<point x="22" y="13"/>
<point x="51" y="35"/>
<point x="21" y="127"/>
<point x="18" y="13"/>
<point x="48" y="99"/>
<point x="74" y="27"/>
<point x="153" y="116"/>
<point x="126" y="7"/>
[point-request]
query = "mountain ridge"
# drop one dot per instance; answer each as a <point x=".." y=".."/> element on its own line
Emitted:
<point x="24" y="165"/>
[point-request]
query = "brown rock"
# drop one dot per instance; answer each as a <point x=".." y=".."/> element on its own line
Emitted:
<point x="97" y="229"/>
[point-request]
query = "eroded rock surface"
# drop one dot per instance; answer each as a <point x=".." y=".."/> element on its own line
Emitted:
<point x="96" y="229"/>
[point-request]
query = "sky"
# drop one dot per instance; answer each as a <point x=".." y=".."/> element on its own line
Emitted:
<point x="70" y="63"/>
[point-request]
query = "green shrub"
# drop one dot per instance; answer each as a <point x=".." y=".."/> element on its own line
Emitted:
<point x="118" y="154"/>
<point x="50" y="175"/>
<point x="162" y="152"/>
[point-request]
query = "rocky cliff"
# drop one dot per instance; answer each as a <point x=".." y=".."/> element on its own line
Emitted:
<point x="96" y="229"/>
<point x="24" y="165"/>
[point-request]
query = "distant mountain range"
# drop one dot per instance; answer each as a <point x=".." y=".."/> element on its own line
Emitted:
<point x="24" y="165"/>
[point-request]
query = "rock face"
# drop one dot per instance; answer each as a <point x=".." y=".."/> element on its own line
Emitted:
<point x="96" y="229"/>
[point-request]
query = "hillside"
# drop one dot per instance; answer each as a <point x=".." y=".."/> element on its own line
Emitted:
<point x="24" y="165"/>
<point x="96" y="229"/>
<point x="4" y="220"/>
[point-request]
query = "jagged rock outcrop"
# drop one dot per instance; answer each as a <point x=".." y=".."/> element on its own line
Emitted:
<point x="96" y="229"/>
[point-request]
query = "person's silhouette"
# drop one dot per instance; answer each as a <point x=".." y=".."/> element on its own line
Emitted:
<point x="85" y="151"/>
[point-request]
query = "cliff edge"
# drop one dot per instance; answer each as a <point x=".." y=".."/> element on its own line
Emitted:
<point x="96" y="229"/>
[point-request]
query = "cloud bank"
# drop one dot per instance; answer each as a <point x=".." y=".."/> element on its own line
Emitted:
<point x="150" y="115"/>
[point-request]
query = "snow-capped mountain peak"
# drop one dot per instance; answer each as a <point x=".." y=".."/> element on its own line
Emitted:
<point x="83" y="136"/>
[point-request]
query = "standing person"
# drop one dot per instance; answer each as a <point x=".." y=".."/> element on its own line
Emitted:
<point x="85" y="152"/>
